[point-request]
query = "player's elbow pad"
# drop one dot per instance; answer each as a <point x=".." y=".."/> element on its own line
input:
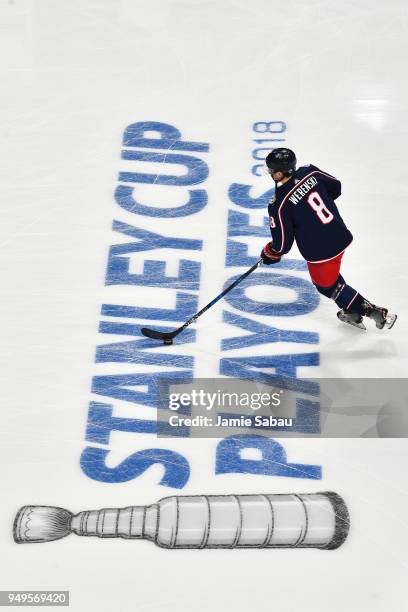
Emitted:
<point x="337" y="191"/>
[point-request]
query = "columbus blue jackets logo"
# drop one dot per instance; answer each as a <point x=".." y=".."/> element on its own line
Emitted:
<point x="272" y="200"/>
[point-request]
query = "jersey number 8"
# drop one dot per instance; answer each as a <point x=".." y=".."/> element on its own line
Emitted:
<point x="316" y="203"/>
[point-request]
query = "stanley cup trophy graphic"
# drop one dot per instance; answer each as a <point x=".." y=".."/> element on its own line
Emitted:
<point x="312" y="520"/>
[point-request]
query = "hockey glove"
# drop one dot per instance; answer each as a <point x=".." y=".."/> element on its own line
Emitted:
<point x="269" y="256"/>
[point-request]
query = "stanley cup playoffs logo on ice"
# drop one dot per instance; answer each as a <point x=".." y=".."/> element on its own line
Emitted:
<point x="153" y="278"/>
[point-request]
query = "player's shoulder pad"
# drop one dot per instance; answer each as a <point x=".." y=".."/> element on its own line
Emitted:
<point x="308" y="168"/>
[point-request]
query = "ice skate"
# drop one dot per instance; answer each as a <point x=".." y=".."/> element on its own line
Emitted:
<point x="352" y="318"/>
<point x="381" y="317"/>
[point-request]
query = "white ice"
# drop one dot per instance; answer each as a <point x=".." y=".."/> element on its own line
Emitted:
<point x="73" y="75"/>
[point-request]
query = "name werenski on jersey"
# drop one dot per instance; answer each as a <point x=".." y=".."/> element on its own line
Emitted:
<point x="303" y="189"/>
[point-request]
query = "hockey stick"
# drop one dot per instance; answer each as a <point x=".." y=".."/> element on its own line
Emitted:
<point x="167" y="337"/>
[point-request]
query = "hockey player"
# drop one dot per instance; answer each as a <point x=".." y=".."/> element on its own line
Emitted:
<point x="304" y="210"/>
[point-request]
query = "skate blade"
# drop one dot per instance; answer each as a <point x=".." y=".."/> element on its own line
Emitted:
<point x="343" y="318"/>
<point x="390" y="321"/>
<point x="359" y="325"/>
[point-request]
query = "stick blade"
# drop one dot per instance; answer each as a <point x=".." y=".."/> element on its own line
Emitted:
<point x="156" y="335"/>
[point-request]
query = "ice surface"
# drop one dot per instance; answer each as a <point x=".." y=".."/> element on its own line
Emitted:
<point x="74" y="74"/>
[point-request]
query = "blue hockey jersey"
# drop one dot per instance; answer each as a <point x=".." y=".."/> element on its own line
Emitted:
<point x="304" y="210"/>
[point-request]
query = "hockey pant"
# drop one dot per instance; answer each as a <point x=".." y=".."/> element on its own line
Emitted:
<point x="329" y="282"/>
